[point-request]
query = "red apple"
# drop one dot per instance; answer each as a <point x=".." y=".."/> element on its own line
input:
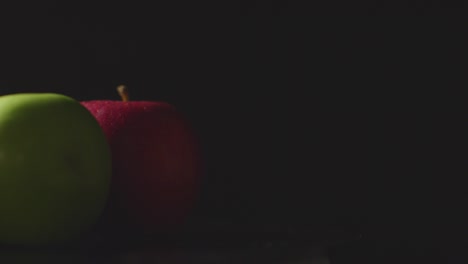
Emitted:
<point x="156" y="163"/>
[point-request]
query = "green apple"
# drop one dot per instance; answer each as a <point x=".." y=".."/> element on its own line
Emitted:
<point x="55" y="169"/>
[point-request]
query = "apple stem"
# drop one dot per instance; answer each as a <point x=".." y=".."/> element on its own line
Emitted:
<point x="123" y="92"/>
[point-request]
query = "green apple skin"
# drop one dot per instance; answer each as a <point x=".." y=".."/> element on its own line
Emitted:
<point x="55" y="169"/>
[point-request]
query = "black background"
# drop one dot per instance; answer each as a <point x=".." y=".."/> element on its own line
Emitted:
<point x="304" y="119"/>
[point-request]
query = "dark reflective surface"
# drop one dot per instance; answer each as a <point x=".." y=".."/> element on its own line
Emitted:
<point x="229" y="245"/>
<point x="166" y="256"/>
<point x="246" y="251"/>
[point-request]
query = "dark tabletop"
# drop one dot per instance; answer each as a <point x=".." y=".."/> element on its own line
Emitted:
<point x="208" y="243"/>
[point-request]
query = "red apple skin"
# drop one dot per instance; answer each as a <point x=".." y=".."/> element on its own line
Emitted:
<point x="156" y="164"/>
